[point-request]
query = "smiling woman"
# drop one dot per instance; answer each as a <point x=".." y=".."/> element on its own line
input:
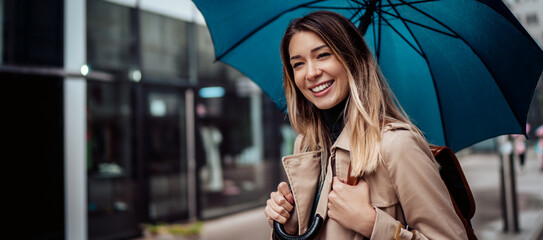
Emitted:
<point x="317" y="72"/>
<point x="351" y="126"/>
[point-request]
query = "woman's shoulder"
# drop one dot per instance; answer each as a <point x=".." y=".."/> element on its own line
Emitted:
<point x="401" y="140"/>
<point x="399" y="131"/>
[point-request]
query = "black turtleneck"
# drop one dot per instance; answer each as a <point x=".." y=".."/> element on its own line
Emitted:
<point x="333" y="118"/>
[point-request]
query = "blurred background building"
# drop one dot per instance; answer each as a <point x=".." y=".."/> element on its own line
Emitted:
<point x="529" y="13"/>
<point x="115" y="114"/>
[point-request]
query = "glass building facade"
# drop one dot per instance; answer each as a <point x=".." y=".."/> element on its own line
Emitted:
<point x="169" y="135"/>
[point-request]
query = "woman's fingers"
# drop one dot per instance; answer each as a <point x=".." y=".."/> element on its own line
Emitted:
<point x="279" y="210"/>
<point x="280" y="204"/>
<point x="281" y="201"/>
<point x="274" y="215"/>
<point x="284" y="190"/>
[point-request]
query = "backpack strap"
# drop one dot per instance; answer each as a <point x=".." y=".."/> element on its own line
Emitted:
<point x="459" y="190"/>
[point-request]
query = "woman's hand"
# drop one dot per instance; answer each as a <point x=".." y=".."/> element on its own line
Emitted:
<point x="279" y="208"/>
<point x="350" y="206"/>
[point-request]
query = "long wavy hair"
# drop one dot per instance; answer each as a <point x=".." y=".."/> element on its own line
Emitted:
<point x="370" y="103"/>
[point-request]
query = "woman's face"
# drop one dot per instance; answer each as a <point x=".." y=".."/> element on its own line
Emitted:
<point x="317" y="71"/>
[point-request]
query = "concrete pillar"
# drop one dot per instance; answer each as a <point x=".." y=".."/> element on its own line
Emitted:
<point x="508" y="193"/>
<point x="75" y="88"/>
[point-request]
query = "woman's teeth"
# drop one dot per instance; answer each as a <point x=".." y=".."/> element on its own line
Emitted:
<point x="321" y="87"/>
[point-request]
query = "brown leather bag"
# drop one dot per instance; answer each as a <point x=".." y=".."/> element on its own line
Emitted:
<point x="459" y="191"/>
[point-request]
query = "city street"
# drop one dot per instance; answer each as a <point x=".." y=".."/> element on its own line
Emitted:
<point x="482" y="172"/>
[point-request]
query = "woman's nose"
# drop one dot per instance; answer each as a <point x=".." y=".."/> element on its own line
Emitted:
<point x="313" y="71"/>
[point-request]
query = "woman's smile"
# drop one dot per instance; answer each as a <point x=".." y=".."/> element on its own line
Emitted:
<point x="322" y="87"/>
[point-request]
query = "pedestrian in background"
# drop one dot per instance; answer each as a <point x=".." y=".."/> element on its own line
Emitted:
<point x="539" y="146"/>
<point x="520" y="147"/>
<point x="350" y="124"/>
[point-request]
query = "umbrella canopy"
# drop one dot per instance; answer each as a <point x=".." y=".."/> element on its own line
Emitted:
<point x="463" y="70"/>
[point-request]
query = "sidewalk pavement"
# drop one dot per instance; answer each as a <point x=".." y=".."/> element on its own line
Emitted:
<point x="482" y="173"/>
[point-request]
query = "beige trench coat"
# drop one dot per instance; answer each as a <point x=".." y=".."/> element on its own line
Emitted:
<point x="406" y="189"/>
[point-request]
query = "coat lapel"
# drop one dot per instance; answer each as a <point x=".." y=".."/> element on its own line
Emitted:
<point x="303" y="171"/>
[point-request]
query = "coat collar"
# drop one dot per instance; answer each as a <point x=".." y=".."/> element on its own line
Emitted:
<point x="344" y="141"/>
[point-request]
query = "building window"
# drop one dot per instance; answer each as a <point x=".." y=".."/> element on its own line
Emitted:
<point x="110" y="37"/>
<point x="165" y="153"/>
<point x="234" y="172"/>
<point x="164" y="48"/>
<point x="112" y="195"/>
<point x="32" y="33"/>
<point x="208" y="71"/>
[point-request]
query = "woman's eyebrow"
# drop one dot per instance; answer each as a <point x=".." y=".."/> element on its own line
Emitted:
<point x="318" y="48"/>
<point x="312" y="51"/>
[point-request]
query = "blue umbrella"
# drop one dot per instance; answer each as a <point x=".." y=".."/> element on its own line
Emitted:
<point x="464" y="70"/>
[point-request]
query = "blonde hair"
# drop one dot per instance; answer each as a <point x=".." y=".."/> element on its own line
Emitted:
<point x="370" y="103"/>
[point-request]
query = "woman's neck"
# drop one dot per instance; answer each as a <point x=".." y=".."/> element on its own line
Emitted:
<point x="333" y="118"/>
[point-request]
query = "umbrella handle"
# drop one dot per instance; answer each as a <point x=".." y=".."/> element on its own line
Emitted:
<point x="313" y="230"/>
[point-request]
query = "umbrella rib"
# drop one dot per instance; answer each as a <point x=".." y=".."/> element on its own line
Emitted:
<point x="366" y="19"/>
<point x="262" y="26"/>
<point x="379" y="31"/>
<point x="349" y="8"/>
<point x="365" y="3"/>
<point x="405" y="39"/>
<point x="478" y="56"/>
<point x="418" y="24"/>
<point x="337" y="8"/>
<point x="355" y="14"/>
<point x="402" y="4"/>
<point x="375" y="39"/>
<point x="442" y="118"/>
<point x="358" y="10"/>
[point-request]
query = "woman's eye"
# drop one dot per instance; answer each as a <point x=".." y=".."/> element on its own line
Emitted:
<point x="295" y="65"/>
<point x="324" y="54"/>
